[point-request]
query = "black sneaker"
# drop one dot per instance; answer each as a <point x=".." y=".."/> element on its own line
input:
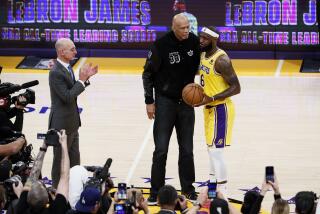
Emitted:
<point x="152" y="200"/>
<point x="192" y="196"/>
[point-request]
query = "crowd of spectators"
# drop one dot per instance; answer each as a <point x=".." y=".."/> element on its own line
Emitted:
<point x="80" y="192"/>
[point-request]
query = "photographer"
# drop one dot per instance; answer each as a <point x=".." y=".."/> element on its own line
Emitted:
<point x="34" y="198"/>
<point x="93" y="200"/>
<point x="6" y="113"/>
<point x="80" y="181"/>
<point x="89" y="202"/>
<point x="8" y="128"/>
<point x="9" y="143"/>
<point x="11" y="139"/>
<point x="78" y="178"/>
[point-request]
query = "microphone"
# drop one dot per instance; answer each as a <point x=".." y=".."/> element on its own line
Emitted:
<point x="29" y="84"/>
<point x="105" y="171"/>
<point x="93" y="168"/>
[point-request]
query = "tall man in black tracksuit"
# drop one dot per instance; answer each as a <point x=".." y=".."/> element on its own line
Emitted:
<point x="172" y="64"/>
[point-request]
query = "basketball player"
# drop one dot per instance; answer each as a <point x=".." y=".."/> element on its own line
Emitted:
<point x="220" y="82"/>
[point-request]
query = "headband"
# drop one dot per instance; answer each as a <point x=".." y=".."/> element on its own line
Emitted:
<point x="210" y="32"/>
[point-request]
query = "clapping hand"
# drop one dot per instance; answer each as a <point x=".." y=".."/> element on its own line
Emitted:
<point x="87" y="71"/>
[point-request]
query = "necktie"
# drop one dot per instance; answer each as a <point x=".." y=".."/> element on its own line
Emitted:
<point x="71" y="72"/>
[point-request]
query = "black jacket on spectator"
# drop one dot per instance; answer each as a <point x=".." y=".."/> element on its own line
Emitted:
<point x="171" y="65"/>
<point x="6" y="126"/>
<point x="256" y="205"/>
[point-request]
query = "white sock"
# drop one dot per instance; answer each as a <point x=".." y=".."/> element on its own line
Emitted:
<point x="219" y="163"/>
<point x="212" y="172"/>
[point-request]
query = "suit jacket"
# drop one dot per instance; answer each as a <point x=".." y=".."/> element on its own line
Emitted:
<point x="64" y="92"/>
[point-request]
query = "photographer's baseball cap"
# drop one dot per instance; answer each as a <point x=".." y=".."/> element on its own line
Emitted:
<point x="88" y="199"/>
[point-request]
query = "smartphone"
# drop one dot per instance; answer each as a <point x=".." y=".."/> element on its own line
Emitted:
<point x="119" y="209"/>
<point x="41" y="136"/>
<point x="122" y="191"/>
<point x="212" y="190"/>
<point x="269" y="174"/>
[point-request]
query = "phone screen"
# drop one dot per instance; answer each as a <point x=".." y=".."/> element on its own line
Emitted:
<point x="212" y="190"/>
<point x="269" y="173"/>
<point x="122" y="191"/>
<point x="41" y="136"/>
<point x="119" y="209"/>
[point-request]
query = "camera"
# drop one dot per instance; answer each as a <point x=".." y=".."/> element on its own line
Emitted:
<point x="51" y="138"/>
<point x="22" y="169"/>
<point x="23" y="155"/>
<point x="28" y="94"/>
<point x="122" y="191"/>
<point x="14" y="180"/>
<point x="212" y="190"/>
<point x="126" y="206"/>
<point x="100" y="175"/>
<point x="6" y="89"/>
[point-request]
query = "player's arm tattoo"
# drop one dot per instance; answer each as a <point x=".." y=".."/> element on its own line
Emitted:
<point x="224" y="66"/>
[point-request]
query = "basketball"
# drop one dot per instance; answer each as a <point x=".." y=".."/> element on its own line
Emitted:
<point x="192" y="94"/>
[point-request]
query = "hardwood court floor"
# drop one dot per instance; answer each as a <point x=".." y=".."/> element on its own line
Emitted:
<point x="277" y="123"/>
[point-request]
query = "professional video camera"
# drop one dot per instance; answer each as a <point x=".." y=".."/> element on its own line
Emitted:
<point x="23" y="155"/>
<point x="100" y="175"/>
<point x="6" y="89"/>
<point x="51" y="138"/>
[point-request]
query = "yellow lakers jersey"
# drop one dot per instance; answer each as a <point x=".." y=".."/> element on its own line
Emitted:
<point x="211" y="81"/>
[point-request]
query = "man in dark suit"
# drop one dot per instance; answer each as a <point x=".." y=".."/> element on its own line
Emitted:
<point x="64" y="90"/>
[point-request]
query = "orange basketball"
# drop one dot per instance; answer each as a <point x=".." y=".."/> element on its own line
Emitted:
<point x="192" y="94"/>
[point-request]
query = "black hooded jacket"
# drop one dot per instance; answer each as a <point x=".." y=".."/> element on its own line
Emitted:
<point x="171" y="65"/>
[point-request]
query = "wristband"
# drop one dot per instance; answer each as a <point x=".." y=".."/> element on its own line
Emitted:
<point x="43" y="149"/>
